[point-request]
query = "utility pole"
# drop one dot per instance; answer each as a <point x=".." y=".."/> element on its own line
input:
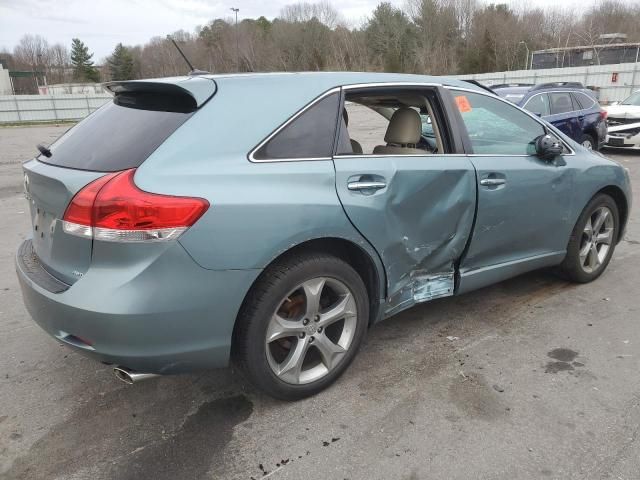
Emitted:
<point x="526" y="62"/>
<point x="236" y="10"/>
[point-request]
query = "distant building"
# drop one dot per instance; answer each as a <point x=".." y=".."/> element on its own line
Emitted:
<point x="5" y="81"/>
<point x="611" y="52"/>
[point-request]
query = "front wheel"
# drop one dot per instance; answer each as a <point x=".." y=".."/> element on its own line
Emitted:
<point x="301" y="325"/>
<point x="592" y="241"/>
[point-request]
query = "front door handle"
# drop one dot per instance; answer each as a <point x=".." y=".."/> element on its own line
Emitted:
<point x="366" y="185"/>
<point x="492" y="182"/>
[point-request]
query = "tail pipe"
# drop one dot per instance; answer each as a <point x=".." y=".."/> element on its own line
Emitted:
<point x="130" y="377"/>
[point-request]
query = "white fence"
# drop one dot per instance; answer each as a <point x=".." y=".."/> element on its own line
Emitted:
<point x="43" y="108"/>
<point x="615" y="82"/>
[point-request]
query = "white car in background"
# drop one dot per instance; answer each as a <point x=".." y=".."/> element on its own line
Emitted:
<point x="624" y="123"/>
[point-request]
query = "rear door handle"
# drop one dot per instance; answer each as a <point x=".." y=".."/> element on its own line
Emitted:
<point x="355" y="186"/>
<point x="492" y="182"/>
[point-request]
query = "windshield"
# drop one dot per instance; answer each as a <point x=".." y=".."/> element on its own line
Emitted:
<point x="632" y="100"/>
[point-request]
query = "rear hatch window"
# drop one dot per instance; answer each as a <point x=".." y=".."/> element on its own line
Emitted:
<point x="121" y="134"/>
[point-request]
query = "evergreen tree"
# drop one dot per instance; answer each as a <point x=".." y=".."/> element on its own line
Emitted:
<point x="83" y="69"/>
<point x="121" y="63"/>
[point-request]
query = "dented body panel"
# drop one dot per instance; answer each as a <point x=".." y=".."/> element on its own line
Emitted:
<point x="419" y="223"/>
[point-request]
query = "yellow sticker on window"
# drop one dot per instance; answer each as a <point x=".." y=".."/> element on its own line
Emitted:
<point x="463" y="104"/>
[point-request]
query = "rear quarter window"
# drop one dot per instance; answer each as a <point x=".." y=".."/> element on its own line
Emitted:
<point x="584" y="101"/>
<point x="309" y="135"/>
<point x="118" y="137"/>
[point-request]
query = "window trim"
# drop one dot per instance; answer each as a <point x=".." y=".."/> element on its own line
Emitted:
<point x="447" y="123"/>
<point x="322" y="96"/>
<point x="544" y="125"/>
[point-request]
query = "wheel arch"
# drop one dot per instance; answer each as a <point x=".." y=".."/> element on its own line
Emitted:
<point x="622" y="203"/>
<point x="371" y="272"/>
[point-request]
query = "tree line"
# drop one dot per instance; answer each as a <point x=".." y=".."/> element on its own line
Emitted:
<point x="425" y="36"/>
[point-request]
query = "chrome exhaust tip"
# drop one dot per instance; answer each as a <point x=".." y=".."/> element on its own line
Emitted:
<point x="130" y="377"/>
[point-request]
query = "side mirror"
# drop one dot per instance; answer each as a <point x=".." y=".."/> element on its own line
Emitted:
<point x="548" y="147"/>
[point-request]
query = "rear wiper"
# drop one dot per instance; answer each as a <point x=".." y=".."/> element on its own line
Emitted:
<point x="44" y="150"/>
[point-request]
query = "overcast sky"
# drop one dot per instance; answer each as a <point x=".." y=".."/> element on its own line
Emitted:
<point x="102" y="24"/>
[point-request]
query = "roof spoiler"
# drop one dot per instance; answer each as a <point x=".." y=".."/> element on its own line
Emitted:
<point x="193" y="91"/>
<point x="165" y="97"/>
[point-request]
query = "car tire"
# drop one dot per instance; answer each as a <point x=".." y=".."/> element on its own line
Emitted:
<point x="588" y="142"/>
<point x="588" y="252"/>
<point x="273" y="325"/>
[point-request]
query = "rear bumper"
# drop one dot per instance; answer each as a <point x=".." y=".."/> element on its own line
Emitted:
<point x="168" y="315"/>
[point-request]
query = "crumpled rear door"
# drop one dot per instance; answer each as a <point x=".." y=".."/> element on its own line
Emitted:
<point x="418" y="215"/>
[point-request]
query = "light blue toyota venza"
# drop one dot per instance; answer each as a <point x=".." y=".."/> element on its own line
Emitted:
<point x="270" y="219"/>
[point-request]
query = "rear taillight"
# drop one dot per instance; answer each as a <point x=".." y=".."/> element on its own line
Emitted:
<point x="603" y="114"/>
<point x="112" y="208"/>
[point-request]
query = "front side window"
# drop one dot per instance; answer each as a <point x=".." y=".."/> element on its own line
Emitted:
<point x="496" y="127"/>
<point x="538" y="104"/>
<point x="309" y="135"/>
<point x="561" y="103"/>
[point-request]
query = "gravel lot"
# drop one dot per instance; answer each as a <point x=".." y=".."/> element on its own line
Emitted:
<point x="532" y="378"/>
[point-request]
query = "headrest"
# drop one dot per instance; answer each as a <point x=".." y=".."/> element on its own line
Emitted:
<point x="405" y="127"/>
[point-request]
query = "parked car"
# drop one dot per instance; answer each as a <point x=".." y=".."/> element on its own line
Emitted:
<point x="569" y="106"/>
<point x="624" y="123"/>
<point x="170" y="234"/>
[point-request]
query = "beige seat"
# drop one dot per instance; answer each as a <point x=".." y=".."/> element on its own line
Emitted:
<point x="403" y="134"/>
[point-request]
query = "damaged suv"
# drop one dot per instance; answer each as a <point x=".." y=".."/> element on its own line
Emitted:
<point x="170" y="234"/>
<point x="624" y="123"/>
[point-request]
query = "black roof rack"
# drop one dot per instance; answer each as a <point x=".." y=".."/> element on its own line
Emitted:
<point x="511" y="85"/>
<point x="542" y="86"/>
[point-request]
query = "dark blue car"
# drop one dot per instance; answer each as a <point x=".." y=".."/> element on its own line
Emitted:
<point x="569" y="106"/>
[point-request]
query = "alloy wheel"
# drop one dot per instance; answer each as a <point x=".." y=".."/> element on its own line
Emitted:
<point x="597" y="237"/>
<point x="311" y="330"/>
<point x="587" y="144"/>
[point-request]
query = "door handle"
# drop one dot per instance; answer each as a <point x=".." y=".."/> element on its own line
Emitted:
<point x="492" y="182"/>
<point x="365" y="185"/>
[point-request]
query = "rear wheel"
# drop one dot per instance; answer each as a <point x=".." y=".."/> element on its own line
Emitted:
<point x="588" y="142"/>
<point x="301" y="325"/>
<point x="592" y="241"/>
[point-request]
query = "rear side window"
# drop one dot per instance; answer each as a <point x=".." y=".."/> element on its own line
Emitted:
<point x="118" y="137"/>
<point x="538" y="104"/>
<point x="561" y="103"/>
<point x="584" y="101"/>
<point x="309" y="135"/>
